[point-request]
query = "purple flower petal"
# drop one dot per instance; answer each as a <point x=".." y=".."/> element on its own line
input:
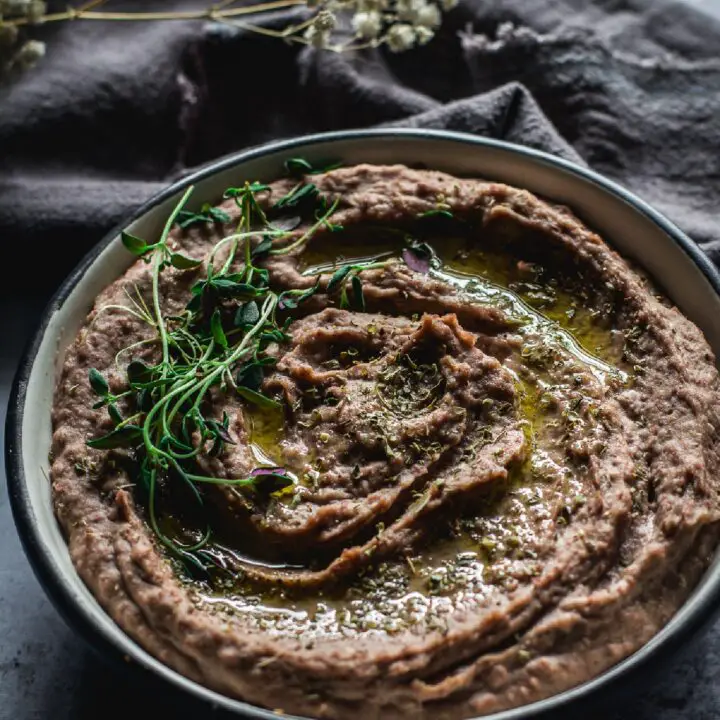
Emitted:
<point x="268" y="471"/>
<point x="271" y="479"/>
<point x="414" y="262"/>
<point x="287" y="303"/>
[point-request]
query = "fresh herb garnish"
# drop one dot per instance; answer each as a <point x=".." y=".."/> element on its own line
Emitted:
<point x="207" y="214"/>
<point x="298" y="166"/>
<point x="349" y="275"/>
<point x="301" y="192"/>
<point x="98" y="383"/>
<point x="437" y="212"/>
<point x="134" y="244"/>
<point x="272" y="479"/>
<point x="218" y="341"/>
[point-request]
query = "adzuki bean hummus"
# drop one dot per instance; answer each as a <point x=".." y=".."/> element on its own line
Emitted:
<point x="374" y="442"/>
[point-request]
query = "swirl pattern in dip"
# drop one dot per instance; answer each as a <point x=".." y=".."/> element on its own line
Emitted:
<point x="502" y="459"/>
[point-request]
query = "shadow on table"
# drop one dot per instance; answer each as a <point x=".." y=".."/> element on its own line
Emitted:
<point x="107" y="692"/>
<point x="686" y="689"/>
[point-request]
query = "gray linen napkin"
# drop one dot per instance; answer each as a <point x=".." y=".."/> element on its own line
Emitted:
<point x="116" y="111"/>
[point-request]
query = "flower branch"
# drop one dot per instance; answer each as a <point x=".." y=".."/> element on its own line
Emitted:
<point x="397" y="24"/>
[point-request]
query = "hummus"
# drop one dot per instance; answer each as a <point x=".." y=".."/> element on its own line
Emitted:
<point x="492" y="449"/>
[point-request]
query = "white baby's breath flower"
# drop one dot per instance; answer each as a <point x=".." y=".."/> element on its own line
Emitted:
<point x="13" y="7"/>
<point x="400" y="24"/>
<point x="418" y="12"/>
<point x="367" y="25"/>
<point x="407" y="10"/>
<point x="424" y="35"/>
<point x="325" y="21"/>
<point x="449" y="4"/>
<point x="318" y="34"/>
<point x="317" y="38"/>
<point x="29" y="54"/>
<point x="428" y="16"/>
<point x="35" y="11"/>
<point x="400" y="36"/>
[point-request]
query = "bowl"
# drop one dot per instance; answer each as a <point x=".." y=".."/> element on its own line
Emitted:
<point x="625" y="221"/>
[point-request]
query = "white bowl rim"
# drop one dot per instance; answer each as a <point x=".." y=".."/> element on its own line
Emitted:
<point x="691" y="618"/>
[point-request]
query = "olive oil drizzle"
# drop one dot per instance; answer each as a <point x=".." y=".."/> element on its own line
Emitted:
<point x="481" y="554"/>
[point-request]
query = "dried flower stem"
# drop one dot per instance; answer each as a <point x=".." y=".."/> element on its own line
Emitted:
<point x="397" y="24"/>
<point x="286" y="34"/>
<point x="212" y="13"/>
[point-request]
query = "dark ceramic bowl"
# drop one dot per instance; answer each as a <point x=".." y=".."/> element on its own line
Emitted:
<point x="629" y="224"/>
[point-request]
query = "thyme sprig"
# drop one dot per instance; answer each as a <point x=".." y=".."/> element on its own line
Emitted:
<point x="206" y="215"/>
<point x="217" y="343"/>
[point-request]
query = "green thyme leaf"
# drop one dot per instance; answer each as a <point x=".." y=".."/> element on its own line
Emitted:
<point x="134" y="244"/>
<point x="144" y="400"/>
<point x="310" y="291"/>
<point x="247" y="314"/>
<point x="297" y="167"/>
<point x="182" y="262"/>
<point x="218" y="215"/>
<point x="297" y="195"/>
<point x="258" y="399"/>
<point x="114" y="414"/>
<point x="199" y="287"/>
<point x="195" y="303"/>
<point x="287" y="302"/>
<point x="231" y="288"/>
<point x="207" y="214"/>
<point x="338" y="276"/>
<point x="220" y="431"/>
<point x="262" y="248"/>
<point x="270" y="480"/>
<point x="165" y="426"/>
<point x="139" y="373"/>
<point x="437" y="212"/>
<point x="257" y="187"/>
<point x="98" y="383"/>
<point x="275" y="335"/>
<point x="124" y="437"/>
<point x="263" y="277"/>
<point x="217" y="329"/>
<point x="250" y="376"/>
